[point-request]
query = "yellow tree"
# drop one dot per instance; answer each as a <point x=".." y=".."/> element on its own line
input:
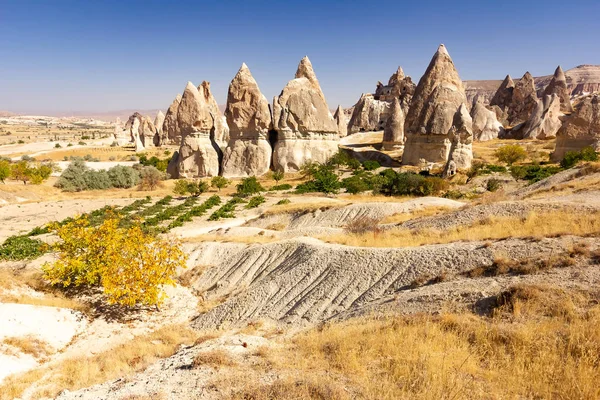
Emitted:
<point x="130" y="265"/>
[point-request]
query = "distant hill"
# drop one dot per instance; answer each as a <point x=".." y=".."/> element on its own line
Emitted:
<point x="581" y="79"/>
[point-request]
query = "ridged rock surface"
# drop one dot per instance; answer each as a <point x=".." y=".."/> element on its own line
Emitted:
<point x="199" y="153"/>
<point x="485" y="124"/>
<point x="170" y="132"/>
<point x="461" y="139"/>
<point x="158" y="125"/>
<point x="581" y="129"/>
<point x="249" y="120"/>
<point x="431" y="115"/>
<point x="306" y="130"/>
<point x="393" y="134"/>
<point x="524" y="100"/>
<point x="368" y="114"/>
<point x="340" y="120"/>
<point x="545" y="121"/>
<point x="558" y="86"/>
<point x="141" y="131"/>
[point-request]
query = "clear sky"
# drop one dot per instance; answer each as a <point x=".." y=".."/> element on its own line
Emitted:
<point x="104" y="55"/>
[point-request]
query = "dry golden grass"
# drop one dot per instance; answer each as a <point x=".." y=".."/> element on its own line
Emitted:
<point x="215" y="237"/>
<point x="298" y="206"/>
<point x="213" y="358"/>
<point x="407" y="216"/>
<point x="534" y="225"/>
<point x="29" y="345"/>
<point x="537" y="150"/>
<point x="541" y="343"/>
<point x="76" y="373"/>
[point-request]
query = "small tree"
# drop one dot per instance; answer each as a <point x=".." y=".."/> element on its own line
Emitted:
<point x="219" y="182"/>
<point x="183" y="187"/>
<point x="249" y="186"/>
<point x="131" y="266"/>
<point x="150" y="178"/>
<point x="4" y="170"/>
<point x="21" y="172"/>
<point x="277" y="176"/>
<point x="510" y="154"/>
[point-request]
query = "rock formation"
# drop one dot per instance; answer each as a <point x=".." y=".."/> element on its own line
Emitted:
<point x="249" y="119"/>
<point x="135" y="127"/>
<point x="429" y="127"/>
<point x="393" y="134"/>
<point x="199" y="153"/>
<point x="524" y="100"/>
<point x="158" y="125"/>
<point x="170" y="132"/>
<point x="581" y="129"/>
<point x="558" y="86"/>
<point x="372" y="111"/>
<point x="340" y="120"/>
<point x="485" y="123"/>
<point x="503" y="96"/>
<point x="306" y="130"/>
<point x="544" y="122"/>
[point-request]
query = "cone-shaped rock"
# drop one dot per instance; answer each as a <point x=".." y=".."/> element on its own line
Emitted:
<point x="306" y="130"/>
<point x="524" y="100"/>
<point x="198" y="154"/>
<point x="558" y="86"/>
<point x="393" y="134"/>
<point x="461" y="138"/>
<point x="340" y="120"/>
<point x="503" y="96"/>
<point x="170" y="131"/>
<point x="581" y="129"/>
<point x="431" y="116"/>
<point x="368" y="114"/>
<point x="220" y="134"/>
<point x="158" y="125"/>
<point x="249" y="119"/>
<point x="545" y="121"/>
<point x="485" y="124"/>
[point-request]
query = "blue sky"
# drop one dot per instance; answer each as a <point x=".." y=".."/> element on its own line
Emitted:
<point x="60" y="56"/>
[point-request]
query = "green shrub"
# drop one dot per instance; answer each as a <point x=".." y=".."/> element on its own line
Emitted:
<point x="226" y="210"/>
<point x="533" y="173"/>
<point x="324" y="180"/>
<point x="122" y="176"/>
<point x="154" y="161"/>
<point x="195" y="188"/>
<point x="282" y="202"/>
<point x="573" y="157"/>
<point x="283" y="186"/>
<point x="493" y="184"/>
<point x="21" y="248"/>
<point x="151" y="178"/>
<point x="277" y="175"/>
<point x="73" y="177"/>
<point x="510" y="154"/>
<point x="85" y="137"/>
<point x="89" y="157"/>
<point x="57" y="146"/>
<point x="248" y="187"/>
<point x="370" y="165"/>
<point x="408" y="183"/>
<point x="255" y="202"/>
<point x="356" y="184"/>
<point x="219" y="182"/>
<point x="97" y="180"/>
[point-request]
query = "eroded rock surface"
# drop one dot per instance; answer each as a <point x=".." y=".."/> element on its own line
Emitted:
<point x="170" y="131"/>
<point x="393" y="135"/>
<point x="581" y="129"/>
<point x="485" y="122"/>
<point x="558" y="86"/>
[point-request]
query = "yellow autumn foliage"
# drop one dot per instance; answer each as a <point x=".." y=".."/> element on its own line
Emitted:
<point x="130" y="265"/>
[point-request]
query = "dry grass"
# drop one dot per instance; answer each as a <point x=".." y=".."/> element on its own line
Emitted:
<point x="297" y="206"/>
<point x="541" y="343"/>
<point x="549" y="224"/>
<point x="29" y="345"/>
<point x="537" y="150"/>
<point x="420" y="213"/>
<point x="76" y="373"/>
<point x="213" y="358"/>
<point x="215" y="237"/>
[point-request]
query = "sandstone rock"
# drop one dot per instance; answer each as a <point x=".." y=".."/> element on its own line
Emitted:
<point x="306" y="130"/>
<point x="147" y="131"/>
<point x="393" y="135"/>
<point x="429" y="125"/>
<point x="340" y="120"/>
<point x="199" y="153"/>
<point x="171" y="133"/>
<point x="249" y="120"/>
<point x="524" y="100"/>
<point x="158" y="125"/>
<point x="135" y="128"/>
<point x="461" y="139"/>
<point x="485" y="123"/>
<point x="581" y="129"/>
<point x="368" y="114"/>
<point x="544" y="122"/>
<point x="558" y="86"/>
<point x="503" y="96"/>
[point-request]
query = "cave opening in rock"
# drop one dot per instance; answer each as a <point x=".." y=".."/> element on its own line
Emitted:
<point x="273" y="136"/>
<point x="215" y="146"/>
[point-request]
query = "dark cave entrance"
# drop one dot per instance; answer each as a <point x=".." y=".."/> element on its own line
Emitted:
<point x="273" y="137"/>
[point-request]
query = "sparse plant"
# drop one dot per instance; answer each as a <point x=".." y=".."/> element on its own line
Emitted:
<point x="277" y="175"/>
<point x="493" y="184"/>
<point x="571" y="158"/>
<point x="255" y="202"/>
<point x="248" y="187"/>
<point x="371" y="165"/>
<point x="362" y="225"/>
<point x="5" y="170"/>
<point x="510" y="154"/>
<point x="219" y="182"/>
<point x="150" y="178"/>
<point x="283" y="202"/>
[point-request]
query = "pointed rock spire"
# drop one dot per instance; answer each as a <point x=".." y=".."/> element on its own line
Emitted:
<point x="524" y="100"/>
<point x="169" y="128"/>
<point x="158" y="126"/>
<point x="305" y="70"/>
<point x="544" y="121"/>
<point x="485" y="123"/>
<point x="393" y="134"/>
<point x="503" y="96"/>
<point x="558" y="86"/>
<point x="340" y="120"/>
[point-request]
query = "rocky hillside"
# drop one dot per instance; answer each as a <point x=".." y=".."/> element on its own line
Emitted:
<point x="580" y="80"/>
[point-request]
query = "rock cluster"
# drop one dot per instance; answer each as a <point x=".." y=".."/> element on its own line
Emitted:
<point x="438" y="123"/>
<point x="306" y="130"/>
<point x="545" y="121"/>
<point x="372" y="111"/>
<point x="171" y="134"/>
<point x="249" y="119"/>
<point x="581" y="129"/>
<point x="485" y="123"/>
<point x="515" y="101"/>
<point x="558" y="86"/>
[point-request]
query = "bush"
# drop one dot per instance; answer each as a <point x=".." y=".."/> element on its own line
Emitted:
<point x="370" y="165"/>
<point x="195" y="188"/>
<point x="70" y="145"/>
<point x="255" y="202"/>
<point x="324" y="180"/>
<point x="124" y="177"/>
<point x="355" y="184"/>
<point x="493" y="184"/>
<point x="226" y="210"/>
<point x="130" y="265"/>
<point x="343" y="158"/>
<point x="21" y="248"/>
<point x="408" y="183"/>
<point x="362" y="225"/>
<point x="277" y="175"/>
<point x="219" y="182"/>
<point x="57" y="146"/>
<point x="85" y="137"/>
<point x="248" y="187"/>
<point x="97" y="180"/>
<point x="510" y="154"/>
<point x="283" y="186"/>
<point x="150" y="178"/>
<point x="573" y="157"/>
<point x="82" y="143"/>
<point x="4" y="170"/>
<point x="282" y="202"/>
<point x="533" y="173"/>
<point x="73" y="177"/>
<point x="20" y="141"/>
<point x="155" y="162"/>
